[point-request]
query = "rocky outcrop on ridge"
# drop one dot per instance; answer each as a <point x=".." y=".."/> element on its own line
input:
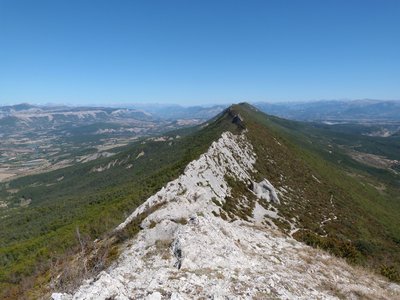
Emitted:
<point x="186" y="250"/>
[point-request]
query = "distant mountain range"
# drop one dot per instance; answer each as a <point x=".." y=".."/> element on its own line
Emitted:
<point x="30" y="115"/>
<point x="335" y="110"/>
<point x="174" y="111"/>
<point x="329" y="110"/>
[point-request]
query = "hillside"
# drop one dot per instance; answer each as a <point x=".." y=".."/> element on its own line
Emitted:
<point x="200" y="239"/>
<point x="264" y="176"/>
<point x="339" y="205"/>
<point x="44" y="211"/>
<point x="38" y="139"/>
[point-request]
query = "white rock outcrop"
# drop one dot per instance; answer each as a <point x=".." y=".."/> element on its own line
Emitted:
<point x="265" y="190"/>
<point x="186" y="251"/>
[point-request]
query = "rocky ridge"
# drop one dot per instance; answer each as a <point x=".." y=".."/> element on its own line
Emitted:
<point x="188" y="250"/>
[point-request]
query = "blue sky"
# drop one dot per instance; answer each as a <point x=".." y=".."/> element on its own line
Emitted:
<point x="191" y="52"/>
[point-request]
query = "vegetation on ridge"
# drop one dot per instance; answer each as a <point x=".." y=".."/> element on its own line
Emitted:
<point x="42" y="235"/>
<point x="336" y="206"/>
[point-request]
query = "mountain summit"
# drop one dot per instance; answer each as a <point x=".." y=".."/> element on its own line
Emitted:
<point x="235" y="224"/>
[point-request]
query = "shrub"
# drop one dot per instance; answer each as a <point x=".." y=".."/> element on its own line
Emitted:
<point x="390" y="272"/>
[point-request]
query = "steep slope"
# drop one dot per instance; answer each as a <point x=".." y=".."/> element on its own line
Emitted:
<point x="42" y="235"/>
<point x="191" y="246"/>
<point x="264" y="175"/>
<point x="332" y="205"/>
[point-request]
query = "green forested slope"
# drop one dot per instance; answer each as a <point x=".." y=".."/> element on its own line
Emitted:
<point x="321" y="180"/>
<point x="362" y="203"/>
<point x="33" y="237"/>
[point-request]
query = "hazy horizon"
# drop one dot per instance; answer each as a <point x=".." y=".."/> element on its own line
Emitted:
<point x="205" y="104"/>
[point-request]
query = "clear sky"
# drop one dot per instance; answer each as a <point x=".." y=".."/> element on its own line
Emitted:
<point x="190" y="52"/>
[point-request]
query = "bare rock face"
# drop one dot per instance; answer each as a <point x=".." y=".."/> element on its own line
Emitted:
<point x="265" y="190"/>
<point x="187" y="251"/>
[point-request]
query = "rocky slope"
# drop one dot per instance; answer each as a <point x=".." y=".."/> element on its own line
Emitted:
<point x="191" y="248"/>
